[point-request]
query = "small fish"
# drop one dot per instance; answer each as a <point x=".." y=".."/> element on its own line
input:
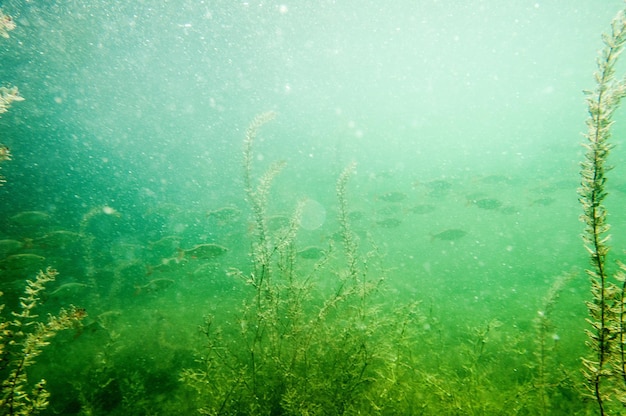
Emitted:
<point x="204" y="251"/>
<point x="544" y="202"/>
<point x="165" y="241"/>
<point x="225" y="214"/>
<point x="389" y="223"/>
<point x="30" y="218"/>
<point x="422" y="209"/>
<point x="487" y="203"/>
<point x="355" y="215"/>
<point x="57" y="239"/>
<point x="509" y="210"/>
<point x="450" y="235"/>
<point x="278" y="222"/>
<point x="154" y="285"/>
<point x="438" y="188"/>
<point x="168" y="265"/>
<point x="393" y="196"/>
<point x="389" y="211"/>
<point x="8" y="246"/>
<point x="68" y="289"/>
<point x="166" y="245"/>
<point x="312" y="253"/>
<point x="495" y="179"/>
<point x="20" y="261"/>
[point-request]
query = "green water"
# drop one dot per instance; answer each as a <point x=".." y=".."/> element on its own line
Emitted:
<point x="464" y="119"/>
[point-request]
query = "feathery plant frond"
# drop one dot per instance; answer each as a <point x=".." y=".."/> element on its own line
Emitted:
<point x="7" y="24"/>
<point x="546" y="342"/>
<point x="22" y="340"/>
<point x="605" y="309"/>
<point x="7" y="95"/>
<point x="257" y="198"/>
<point x="348" y="237"/>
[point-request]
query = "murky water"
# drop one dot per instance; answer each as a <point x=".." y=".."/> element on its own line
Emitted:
<point x="464" y="120"/>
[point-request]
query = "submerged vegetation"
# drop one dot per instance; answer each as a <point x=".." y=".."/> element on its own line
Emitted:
<point x="22" y="339"/>
<point x="254" y="308"/>
<point x="309" y="340"/>
<point x="606" y="370"/>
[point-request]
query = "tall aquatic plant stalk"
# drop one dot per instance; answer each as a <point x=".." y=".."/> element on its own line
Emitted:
<point x="605" y="308"/>
<point x="347" y="235"/>
<point x="257" y="198"/>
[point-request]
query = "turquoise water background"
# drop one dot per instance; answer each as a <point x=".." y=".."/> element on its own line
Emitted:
<point x="462" y="116"/>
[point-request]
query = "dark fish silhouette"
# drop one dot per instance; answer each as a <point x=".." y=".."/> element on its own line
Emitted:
<point x="204" y="251"/>
<point x="422" y="209"/>
<point x="393" y="196"/>
<point x="312" y="253"/>
<point x="389" y="223"/>
<point x="487" y="203"/>
<point x="450" y="235"/>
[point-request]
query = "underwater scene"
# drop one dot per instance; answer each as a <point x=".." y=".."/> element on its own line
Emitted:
<point x="312" y="207"/>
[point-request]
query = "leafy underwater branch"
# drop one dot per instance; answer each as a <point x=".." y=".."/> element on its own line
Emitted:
<point x="546" y="341"/>
<point x="7" y="95"/>
<point x="257" y="198"/>
<point x="7" y="24"/>
<point x="606" y="309"/>
<point x="22" y="340"/>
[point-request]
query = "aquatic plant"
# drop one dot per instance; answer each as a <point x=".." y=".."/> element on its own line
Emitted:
<point x="5" y="155"/>
<point x="546" y="341"/>
<point x="300" y="346"/>
<point x="7" y="24"/>
<point x="605" y="370"/>
<point x="7" y="95"/>
<point x="22" y="339"/>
